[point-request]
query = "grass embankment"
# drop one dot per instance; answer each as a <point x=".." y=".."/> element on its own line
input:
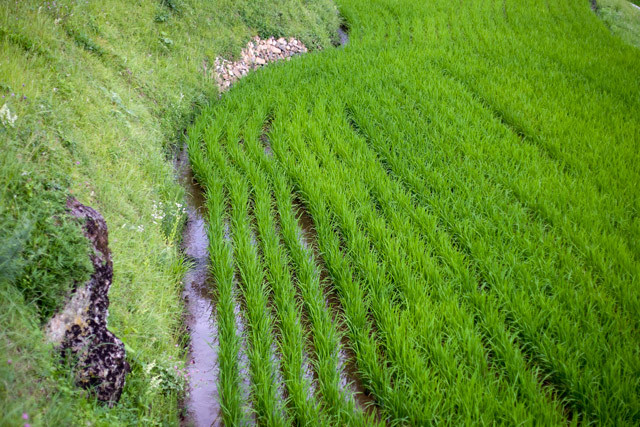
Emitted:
<point x="99" y="92"/>
<point x="623" y="18"/>
<point x="471" y="172"/>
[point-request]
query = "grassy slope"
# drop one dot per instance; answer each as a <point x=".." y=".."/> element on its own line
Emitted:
<point x="622" y="18"/>
<point x="101" y="91"/>
<point x="489" y="151"/>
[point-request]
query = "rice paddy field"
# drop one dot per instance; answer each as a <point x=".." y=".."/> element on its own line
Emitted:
<point x="436" y="223"/>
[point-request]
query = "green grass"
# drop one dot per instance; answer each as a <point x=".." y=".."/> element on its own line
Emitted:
<point x="470" y="171"/>
<point x="102" y="92"/>
<point x="622" y="18"/>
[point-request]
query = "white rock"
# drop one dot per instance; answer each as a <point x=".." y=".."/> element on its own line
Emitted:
<point x="257" y="53"/>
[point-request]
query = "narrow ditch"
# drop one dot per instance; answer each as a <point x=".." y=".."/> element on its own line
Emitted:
<point x="349" y="379"/>
<point x="243" y="355"/>
<point x="202" y="401"/>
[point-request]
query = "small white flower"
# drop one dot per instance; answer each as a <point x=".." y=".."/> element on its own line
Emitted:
<point x="6" y="117"/>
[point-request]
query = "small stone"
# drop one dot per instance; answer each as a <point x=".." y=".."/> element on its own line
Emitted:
<point x="256" y="53"/>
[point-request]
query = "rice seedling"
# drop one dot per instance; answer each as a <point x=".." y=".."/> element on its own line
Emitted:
<point x="264" y="387"/>
<point x="469" y="170"/>
<point x="324" y="335"/>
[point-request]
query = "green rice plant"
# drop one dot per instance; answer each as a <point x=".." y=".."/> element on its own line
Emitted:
<point x="325" y="336"/>
<point x="264" y="384"/>
<point x="570" y="300"/>
<point x="291" y="346"/>
<point x="470" y="171"/>
<point x="286" y="309"/>
<point x="417" y="301"/>
<point x="373" y="282"/>
<point x="410" y="268"/>
<point x="364" y="347"/>
<point x="403" y="215"/>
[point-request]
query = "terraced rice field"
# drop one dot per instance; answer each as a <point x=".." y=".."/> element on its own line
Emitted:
<point x="470" y="171"/>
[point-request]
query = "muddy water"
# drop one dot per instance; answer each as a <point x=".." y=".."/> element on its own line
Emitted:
<point x="264" y="139"/>
<point x="249" y="416"/>
<point x="202" y="402"/>
<point x="348" y="371"/>
<point x="343" y="35"/>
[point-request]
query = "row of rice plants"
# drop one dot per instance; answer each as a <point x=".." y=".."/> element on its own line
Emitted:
<point x="352" y="299"/>
<point x="428" y="320"/>
<point x="324" y="333"/>
<point x="265" y="384"/>
<point x="414" y="269"/>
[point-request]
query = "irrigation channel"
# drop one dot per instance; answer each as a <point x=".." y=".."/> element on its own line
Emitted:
<point x="202" y="402"/>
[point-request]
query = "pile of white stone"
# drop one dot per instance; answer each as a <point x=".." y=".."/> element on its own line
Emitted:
<point x="257" y="54"/>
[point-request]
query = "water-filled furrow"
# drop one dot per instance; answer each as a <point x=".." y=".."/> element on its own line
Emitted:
<point x="202" y="401"/>
<point x="243" y="355"/>
<point x="349" y="379"/>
